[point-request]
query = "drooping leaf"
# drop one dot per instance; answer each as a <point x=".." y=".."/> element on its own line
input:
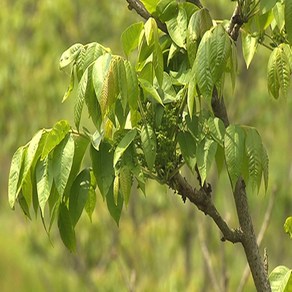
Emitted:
<point x="265" y="166"/>
<point x="79" y="195"/>
<point x="62" y="163"/>
<point x="14" y="175"/>
<point x="102" y="164"/>
<point x="114" y="209"/>
<point x="249" y="46"/>
<point x="55" y="136"/>
<point x="70" y="86"/>
<point x="149" y="145"/>
<point x="267" y="5"/>
<point x="188" y="148"/>
<point x="288" y="226"/>
<point x="66" y="228"/>
<point x="234" y="143"/>
<point x="205" y="154"/>
<point x="44" y="181"/>
<point x="281" y="279"/>
<point x="69" y="56"/>
<point x="217" y="130"/>
<point x="124" y="144"/>
<point x="132" y="85"/>
<point x="288" y="20"/>
<point x="279" y="72"/>
<point x="254" y="152"/>
<point x="130" y="37"/>
<point x="150" y="5"/>
<point x="125" y="183"/>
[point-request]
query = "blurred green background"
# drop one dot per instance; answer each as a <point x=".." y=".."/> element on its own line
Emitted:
<point x="162" y="244"/>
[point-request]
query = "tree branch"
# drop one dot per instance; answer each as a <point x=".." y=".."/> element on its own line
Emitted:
<point x="138" y="6"/>
<point x="202" y="199"/>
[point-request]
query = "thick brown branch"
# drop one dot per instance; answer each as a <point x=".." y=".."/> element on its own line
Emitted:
<point x="235" y="23"/>
<point x="142" y="11"/>
<point x="202" y="199"/>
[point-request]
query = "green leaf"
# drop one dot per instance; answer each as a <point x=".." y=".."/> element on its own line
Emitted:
<point x="279" y="15"/>
<point x="265" y="166"/>
<point x="150" y="90"/>
<point x="114" y="209"/>
<point x="91" y="202"/>
<point x="66" y="228"/>
<point x="149" y="145"/>
<point x="130" y="37"/>
<point x="199" y="23"/>
<point x="288" y="226"/>
<point x="55" y="136"/>
<point x="132" y="85"/>
<point x="254" y="152"/>
<point x="288" y="20"/>
<point x="249" y="46"/>
<point x="150" y="5"/>
<point x="281" y="279"/>
<point x="69" y="56"/>
<point x="14" y="175"/>
<point x="100" y="76"/>
<point x="205" y="154"/>
<point x="79" y="195"/>
<point x="124" y="144"/>
<point x="177" y="27"/>
<point x="70" y="87"/>
<point x="62" y="163"/>
<point x="217" y="130"/>
<point x="267" y="5"/>
<point x="234" y="142"/>
<point x="102" y="164"/>
<point x="188" y="147"/>
<point x="44" y="181"/>
<point x="125" y="183"/>
<point x="279" y="72"/>
<point x="166" y="9"/>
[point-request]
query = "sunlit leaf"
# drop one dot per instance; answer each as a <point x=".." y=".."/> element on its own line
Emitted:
<point x="55" y="136"/>
<point x="14" y="175"/>
<point x="281" y="279"/>
<point x="125" y="183"/>
<point x="62" y="163"/>
<point x="288" y="20"/>
<point x="114" y="209"/>
<point x="150" y="90"/>
<point x="149" y="145"/>
<point x="69" y="55"/>
<point x="249" y="46"/>
<point x="288" y="226"/>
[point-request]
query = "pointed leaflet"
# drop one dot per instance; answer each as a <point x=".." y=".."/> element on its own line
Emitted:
<point x="288" y="20"/>
<point x="132" y="85"/>
<point x="199" y="23"/>
<point x="81" y="93"/>
<point x="149" y="145"/>
<point x="205" y="154"/>
<point x="217" y="130"/>
<point x="66" y="228"/>
<point x="234" y="142"/>
<point x="14" y="174"/>
<point x="188" y="148"/>
<point x="55" y="136"/>
<point x="177" y="27"/>
<point x="125" y="183"/>
<point x="278" y="72"/>
<point x="150" y="90"/>
<point x="102" y="164"/>
<point x="124" y="144"/>
<point x="79" y="195"/>
<point x="249" y="46"/>
<point x="70" y="86"/>
<point x="254" y="152"/>
<point x="150" y="5"/>
<point x="114" y="209"/>
<point x="62" y="163"/>
<point x="265" y="165"/>
<point x="130" y="37"/>
<point x="44" y="181"/>
<point x="100" y="74"/>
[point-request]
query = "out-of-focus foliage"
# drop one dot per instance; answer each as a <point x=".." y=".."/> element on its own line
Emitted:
<point x="158" y="246"/>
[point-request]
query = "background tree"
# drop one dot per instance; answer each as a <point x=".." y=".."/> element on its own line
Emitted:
<point x="146" y="123"/>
